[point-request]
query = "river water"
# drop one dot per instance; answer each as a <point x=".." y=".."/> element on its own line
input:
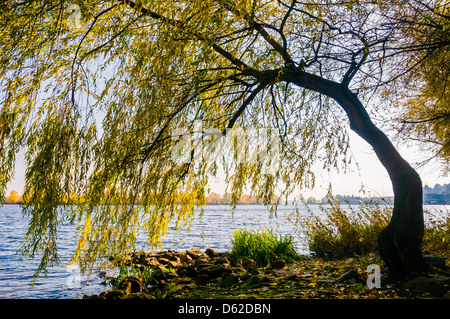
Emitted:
<point x="213" y="230"/>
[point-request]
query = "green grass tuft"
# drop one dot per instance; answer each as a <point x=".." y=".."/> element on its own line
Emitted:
<point x="263" y="246"/>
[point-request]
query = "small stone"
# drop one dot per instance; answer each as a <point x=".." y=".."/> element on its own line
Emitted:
<point x="191" y="271"/>
<point x="350" y="276"/>
<point x="163" y="261"/>
<point x="143" y="257"/>
<point x="113" y="294"/>
<point x="244" y="261"/>
<point x="435" y="261"/>
<point x="253" y="270"/>
<point x="151" y="262"/>
<point x="436" y="286"/>
<point x="278" y="264"/>
<point x="210" y="252"/>
<point x="265" y="279"/>
<point x="172" y="256"/>
<point x="185" y="258"/>
<point x="194" y="253"/>
<point x="221" y="260"/>
<point x="141" y="295"/>
<point x="214" y="271"/>
<point x="202" y="262"/>
<point x="228" y="280"/>
<point x="226" y="266"/>
<point x="202" y="280"/>
<point x="125" y="286"/>
<point x="130" y="285"/>
<point x="174" y="264"/>
<point x="254" y="280"/>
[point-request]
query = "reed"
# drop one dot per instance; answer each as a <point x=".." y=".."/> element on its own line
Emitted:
<point x="346" y="232"/>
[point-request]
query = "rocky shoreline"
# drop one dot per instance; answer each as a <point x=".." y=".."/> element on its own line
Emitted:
<point x="192" y="267"/>
<point x="195" y="274"/>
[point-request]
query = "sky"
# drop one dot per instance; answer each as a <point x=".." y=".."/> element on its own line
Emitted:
<point x="371" y="174"/>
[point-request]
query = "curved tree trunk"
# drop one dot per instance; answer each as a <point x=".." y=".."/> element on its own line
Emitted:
<point x="399" y="242"/>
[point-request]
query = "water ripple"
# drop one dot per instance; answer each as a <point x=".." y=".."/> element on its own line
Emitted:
<point x="214" y="230"/>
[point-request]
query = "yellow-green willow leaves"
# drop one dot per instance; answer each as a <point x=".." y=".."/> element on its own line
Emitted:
<point x="101" y="102"/>
<point x="426" y="104"/>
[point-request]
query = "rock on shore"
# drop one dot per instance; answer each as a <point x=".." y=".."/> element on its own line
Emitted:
<point x="175" y="269"/>
<point x="210" y="274"/>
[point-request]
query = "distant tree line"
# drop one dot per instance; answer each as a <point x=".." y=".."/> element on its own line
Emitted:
<point x="352" y="200"/>
<point x="211" y="199"/>
<point x="438" y="195"/>
<point x="218" y="199"/>
<point x="13" y="198"/>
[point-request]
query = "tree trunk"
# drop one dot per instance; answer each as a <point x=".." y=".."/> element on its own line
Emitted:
<point x="399" y="243"/>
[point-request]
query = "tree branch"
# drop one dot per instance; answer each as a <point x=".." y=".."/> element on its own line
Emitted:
<point x="182" y="25"/>
<point x="262" y="31"/>
<point x="244" y="105"/>
<point x="267" y="80"/>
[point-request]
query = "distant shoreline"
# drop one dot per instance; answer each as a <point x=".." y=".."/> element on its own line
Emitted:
<point x="362" y="201"/>
<point x="438" y="195"/>
<point x="347" y="200"/>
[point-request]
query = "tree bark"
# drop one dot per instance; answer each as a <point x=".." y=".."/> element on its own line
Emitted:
<point x="399" y="243"/>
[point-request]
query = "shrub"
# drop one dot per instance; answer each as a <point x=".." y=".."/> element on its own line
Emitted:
<point x="263" y="246"/>
<point x="345" y="233"/>
<point x="436" y="238"/>
<point x="349" y="232"/>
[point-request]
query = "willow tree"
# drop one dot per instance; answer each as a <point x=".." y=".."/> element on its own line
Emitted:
<point x="425" y="99"/>
<point x="98" y="94"/>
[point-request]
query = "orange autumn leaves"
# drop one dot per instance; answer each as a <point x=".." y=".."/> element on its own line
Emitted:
<point x="217" y="199"/>
<point x="13" y="198"/>
<point x="211" y="199"/>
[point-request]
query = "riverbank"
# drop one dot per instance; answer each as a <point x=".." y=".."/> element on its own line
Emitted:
<point x="196" y="274"/>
